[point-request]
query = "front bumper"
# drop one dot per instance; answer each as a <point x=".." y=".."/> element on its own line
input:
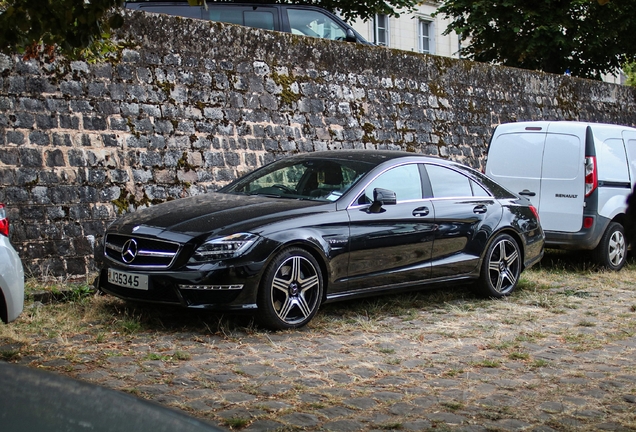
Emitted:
<point x="220" y="289"/>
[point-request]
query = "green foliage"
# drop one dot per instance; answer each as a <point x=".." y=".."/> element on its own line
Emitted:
<point x="587" y="37"/>
<point x="630" y="70"/>
<point x="26" y="26"/>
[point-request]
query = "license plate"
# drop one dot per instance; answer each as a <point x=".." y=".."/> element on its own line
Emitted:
<point x="128" y="280"/>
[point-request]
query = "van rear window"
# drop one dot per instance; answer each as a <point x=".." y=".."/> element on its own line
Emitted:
<point x="563" y="157"/>
<point x="516" y="155"/>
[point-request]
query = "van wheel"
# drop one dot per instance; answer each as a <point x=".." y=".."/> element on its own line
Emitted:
<point x="500" y="268"/>
<point x="290" y="291"/>
<point x="611" y="252"/>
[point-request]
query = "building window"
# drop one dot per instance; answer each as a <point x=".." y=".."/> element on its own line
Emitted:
<point x="382" y="30"/>
<point x="425" y="36"/>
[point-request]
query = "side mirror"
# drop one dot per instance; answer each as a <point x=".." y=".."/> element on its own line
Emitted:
<point x="382" y="197"/>
<point x="351" y="36"/>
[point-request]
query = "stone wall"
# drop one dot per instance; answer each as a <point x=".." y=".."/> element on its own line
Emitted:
<point x="186" y="106"/>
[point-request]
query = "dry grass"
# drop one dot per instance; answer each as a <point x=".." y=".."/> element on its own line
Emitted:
<point x="568" y="321"/>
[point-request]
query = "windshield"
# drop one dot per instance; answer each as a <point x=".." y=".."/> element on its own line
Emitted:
<point x="313" y="179"/>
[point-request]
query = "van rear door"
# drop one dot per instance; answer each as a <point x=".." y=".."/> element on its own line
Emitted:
<point x="563" y="178"/>
<point x="514" y="158"/>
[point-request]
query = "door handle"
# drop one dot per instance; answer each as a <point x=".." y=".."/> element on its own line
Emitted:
<point x="480" y="209"/>
<point x="526" y="192"/>
<point x="421" y="211"/>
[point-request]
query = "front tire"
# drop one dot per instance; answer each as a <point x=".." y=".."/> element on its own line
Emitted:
<point x="500" y="268"/>
<point x="611" y="251"/>
<point x="290" y="291"/>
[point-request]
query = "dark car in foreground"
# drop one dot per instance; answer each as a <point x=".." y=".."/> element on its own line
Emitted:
<point x="320" y="227"/>
<point x="36" y="400"/>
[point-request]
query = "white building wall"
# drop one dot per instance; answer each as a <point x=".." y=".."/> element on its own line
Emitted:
<point x="404" y="35"/>
<point x="404" y="32"/>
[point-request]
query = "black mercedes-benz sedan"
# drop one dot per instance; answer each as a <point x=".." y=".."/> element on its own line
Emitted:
<point x="320" y="227"/>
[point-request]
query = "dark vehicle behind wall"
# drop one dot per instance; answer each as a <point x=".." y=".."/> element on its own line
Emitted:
<point x="320" y="227"/>
<point x="304" y="20"/>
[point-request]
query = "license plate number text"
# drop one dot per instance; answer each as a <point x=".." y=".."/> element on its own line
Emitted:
<point x="128" y="280"/>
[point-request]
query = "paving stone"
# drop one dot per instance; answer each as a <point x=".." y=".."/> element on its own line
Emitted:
<point x="301" y="420"/>
<point x="630" y="398"/>
<point x="425" y="402"/>
<point x="274" y="405"/>
<point x="542" y="428"/>
<point x="588" y="414"/>
<point x="391" y="381"/>
<point x="361" y="403"/>
<point x="512" y="425"/>
<point x="238" y="397"/>
<point x="343" y="425"/>
<point x="341" y="378"/>
<point x="553" y="407"/>
<point x="154" y="390"/>
<point x="387" y="396"/>
<point x="199" y="405"/>
<point x="612" y="426"/>
<point x="240" y="413"/>
<point x="264" y="426"/>
<point x="404" y="409"/>
<point x="335" y="412"/>
<point x="575" y="400"/>
<point x="448" y="418"/>
<point x="417" y="425"/>
<point x="499" y="400"/>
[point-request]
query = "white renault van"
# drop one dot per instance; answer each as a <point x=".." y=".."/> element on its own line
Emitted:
<point x="577" y="174"/>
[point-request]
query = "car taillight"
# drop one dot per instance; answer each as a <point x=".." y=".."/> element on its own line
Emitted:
<point x="591" y="175"/>
<point x="534" y="211"/>
<point x="4" y="222"/>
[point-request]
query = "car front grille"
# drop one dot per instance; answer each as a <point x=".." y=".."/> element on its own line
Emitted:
<point x="140" y="252"/>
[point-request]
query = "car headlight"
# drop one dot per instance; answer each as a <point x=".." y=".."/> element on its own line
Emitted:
<point x="223" y="248"/>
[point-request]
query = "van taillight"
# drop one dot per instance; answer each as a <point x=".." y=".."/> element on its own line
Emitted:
<point x="4" y="222"/>
<point x="591" y="175"/>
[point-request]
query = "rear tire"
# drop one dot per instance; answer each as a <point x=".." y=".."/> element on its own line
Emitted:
<point x="500" y="268"/>
<point x="291" y="290"/>
<point x="611" y="251"/>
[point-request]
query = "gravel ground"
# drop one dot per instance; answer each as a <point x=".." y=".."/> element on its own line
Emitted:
<point x="557" y="355"/>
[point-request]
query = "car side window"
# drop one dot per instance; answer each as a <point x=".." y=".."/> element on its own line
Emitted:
<point x="403" y="180"/>
<point x="176" y="10"/>
<point x="314" y="23"/>
<point x="257" y="19"/>
<point x="478" y="190"/>
<point x="240" y="15"/>
<point x="447" y="183"/>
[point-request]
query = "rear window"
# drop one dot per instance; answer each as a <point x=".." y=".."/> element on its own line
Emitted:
<point x="563" y="157"/>
<point x="516" y="155"/>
